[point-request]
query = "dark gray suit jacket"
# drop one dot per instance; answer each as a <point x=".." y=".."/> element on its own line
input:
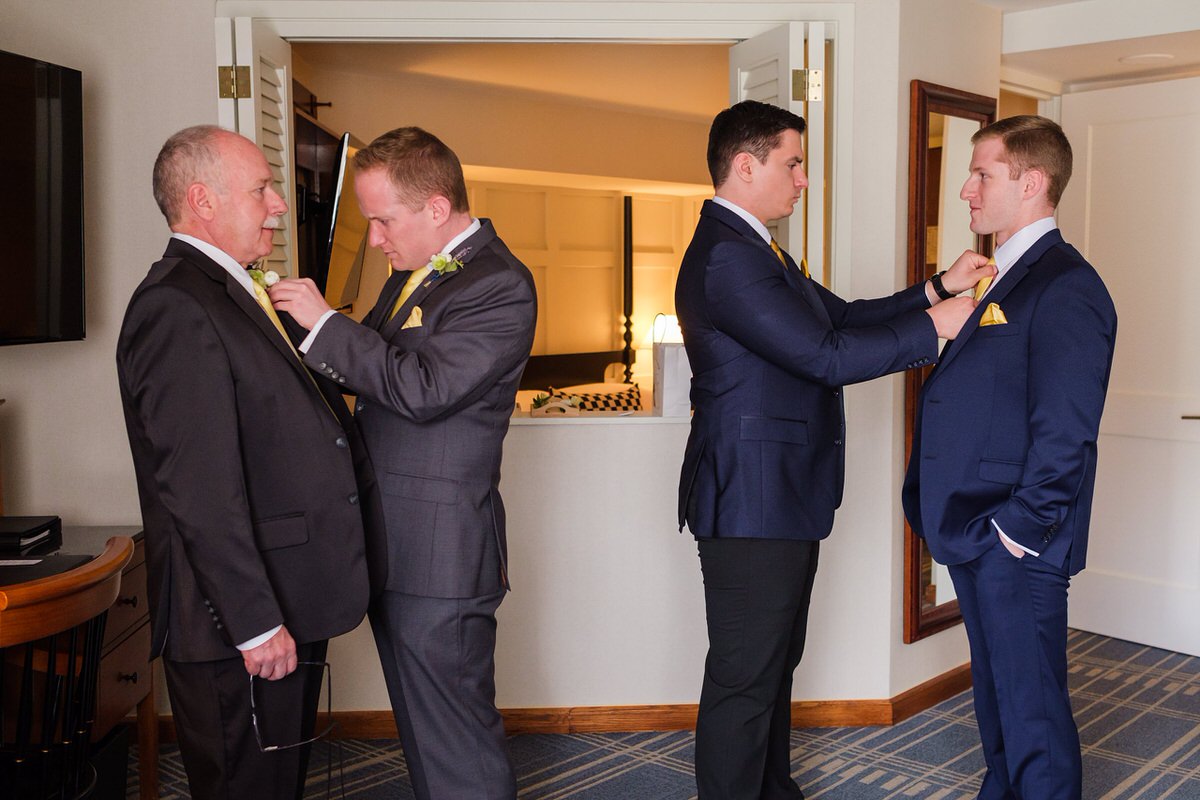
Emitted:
<point x="434" y="403"/>
<point x="247" y="481"/>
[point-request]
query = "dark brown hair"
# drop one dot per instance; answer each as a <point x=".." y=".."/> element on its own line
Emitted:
<point x="747" y="127"/>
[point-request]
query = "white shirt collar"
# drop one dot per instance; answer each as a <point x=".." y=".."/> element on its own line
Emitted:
<point x="226" y="261"/>
<point x="751" y="220"/>
<point x="1011" y="251"/>
<point x="469" y="231"/>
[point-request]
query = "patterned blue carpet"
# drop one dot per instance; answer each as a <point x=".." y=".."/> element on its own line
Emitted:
<point x="1138" y="711"/>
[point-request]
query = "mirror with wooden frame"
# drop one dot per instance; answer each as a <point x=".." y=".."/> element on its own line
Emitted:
<point x="941" y="123"/>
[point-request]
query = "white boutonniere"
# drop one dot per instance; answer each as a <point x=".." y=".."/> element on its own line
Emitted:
<point x="264" y="279"/>
<point x="442" y="264"/>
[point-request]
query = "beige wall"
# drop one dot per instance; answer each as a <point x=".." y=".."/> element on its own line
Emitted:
<point x="148" y="70"/>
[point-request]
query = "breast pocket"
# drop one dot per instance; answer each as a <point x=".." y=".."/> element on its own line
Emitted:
<point x="989" y="332"/>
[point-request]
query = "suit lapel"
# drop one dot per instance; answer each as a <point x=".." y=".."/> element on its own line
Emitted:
<point x="465" y="251"/>
<point x="1009" y="282"/>
<point x="791" y="272"/>
<point x="380" y="315"/>
<point x="240" y="297"/>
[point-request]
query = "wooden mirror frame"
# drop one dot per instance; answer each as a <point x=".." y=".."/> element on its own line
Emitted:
<point x="926" y="99"/>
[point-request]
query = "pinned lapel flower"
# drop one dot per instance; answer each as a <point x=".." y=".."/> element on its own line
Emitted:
<point x="264" y="279"/>
<point x="442" y="264"/>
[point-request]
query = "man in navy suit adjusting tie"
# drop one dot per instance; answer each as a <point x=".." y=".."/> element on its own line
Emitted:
<point x="762" y="473"/>
<point x="1004" y="458"/>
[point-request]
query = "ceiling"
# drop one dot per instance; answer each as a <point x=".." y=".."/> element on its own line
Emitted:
<point x="1080" y="66"/>
<point x="689" y="81"/>
<point x="1145" y="58"/>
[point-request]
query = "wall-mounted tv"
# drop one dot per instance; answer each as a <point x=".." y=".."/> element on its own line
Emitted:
<point x="41" y="207"/>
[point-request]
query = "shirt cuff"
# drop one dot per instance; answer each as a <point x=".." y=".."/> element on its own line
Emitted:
<point x="1017" y="545"/>
<point x="312" y="335"/>
<point x="260" y="639"/>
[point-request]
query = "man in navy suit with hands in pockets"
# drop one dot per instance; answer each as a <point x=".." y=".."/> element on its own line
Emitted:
<point x="762" y="474"/>
<point x="1003" y="459"/>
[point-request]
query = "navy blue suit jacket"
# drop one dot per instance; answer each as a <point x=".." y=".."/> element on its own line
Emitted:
<point x="1007" y="422"/>
<point x="770" y="350"/>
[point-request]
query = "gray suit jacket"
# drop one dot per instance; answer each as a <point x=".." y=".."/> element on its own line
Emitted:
<point x="434" y="402"/>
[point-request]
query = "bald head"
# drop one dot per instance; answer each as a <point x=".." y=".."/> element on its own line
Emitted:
<point x="216" y="186"/>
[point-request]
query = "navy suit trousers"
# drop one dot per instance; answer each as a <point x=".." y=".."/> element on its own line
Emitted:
<point x="1015" y="612"/>
<point x="756" y="596"/>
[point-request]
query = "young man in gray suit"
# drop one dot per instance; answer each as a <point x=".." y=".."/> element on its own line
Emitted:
<point x="435" y="366"/>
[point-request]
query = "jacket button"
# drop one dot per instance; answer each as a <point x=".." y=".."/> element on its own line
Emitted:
<point x="322" y="365"/>
<point x="837" y="442"/>
<point x="353" y="499"/>
<point x="341" y="442"/>
<point x="333" y="374"/>
<point x="837" y="393"/>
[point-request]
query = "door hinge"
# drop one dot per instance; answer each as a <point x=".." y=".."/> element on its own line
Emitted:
<point x="808" y="85"/>
<point x="233" y="82"/>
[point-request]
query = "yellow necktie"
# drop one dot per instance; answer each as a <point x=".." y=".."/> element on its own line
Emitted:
<point x="782" y="260"/>
<point x="982" y="287"/>
<point x="778" y="252"/>
<point x="264" y="300"/>
<point x="410" y="286"/>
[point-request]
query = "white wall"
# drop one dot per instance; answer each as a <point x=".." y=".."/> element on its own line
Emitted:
<point x="148" y="70"/>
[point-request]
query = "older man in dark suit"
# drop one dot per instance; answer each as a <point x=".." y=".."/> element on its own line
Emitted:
<point x="762" y="474"/>
<point x="435" y="366"/>
<point x="246" y="475"/>
<point x="1003" y="461"/>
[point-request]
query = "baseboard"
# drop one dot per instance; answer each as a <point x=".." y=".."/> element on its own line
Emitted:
<point x="611" y="719"/>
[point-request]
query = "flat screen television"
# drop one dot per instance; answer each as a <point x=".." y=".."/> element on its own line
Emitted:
<point x="41" y="207"/>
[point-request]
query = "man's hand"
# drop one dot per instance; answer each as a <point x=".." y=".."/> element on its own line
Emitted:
<point x="950" y="315"/>
<point x="965" y="272"/>
<point x="275" y="658"/>
<point x="301" y="298"/>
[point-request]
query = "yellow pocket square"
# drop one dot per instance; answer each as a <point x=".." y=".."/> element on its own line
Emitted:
<point x="414" y="319"/>
<point x="993" y="315"/>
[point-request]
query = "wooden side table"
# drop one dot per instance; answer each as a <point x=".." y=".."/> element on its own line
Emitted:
<point x="126" y="679"/>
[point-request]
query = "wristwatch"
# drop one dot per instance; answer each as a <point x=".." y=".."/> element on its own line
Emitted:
<point x="935" y="280"/>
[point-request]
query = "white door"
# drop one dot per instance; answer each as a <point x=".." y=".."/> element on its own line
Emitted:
<point x="1131" y="208"/>
<point x="762" y="68"/>
<point x="264" y="116"/>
